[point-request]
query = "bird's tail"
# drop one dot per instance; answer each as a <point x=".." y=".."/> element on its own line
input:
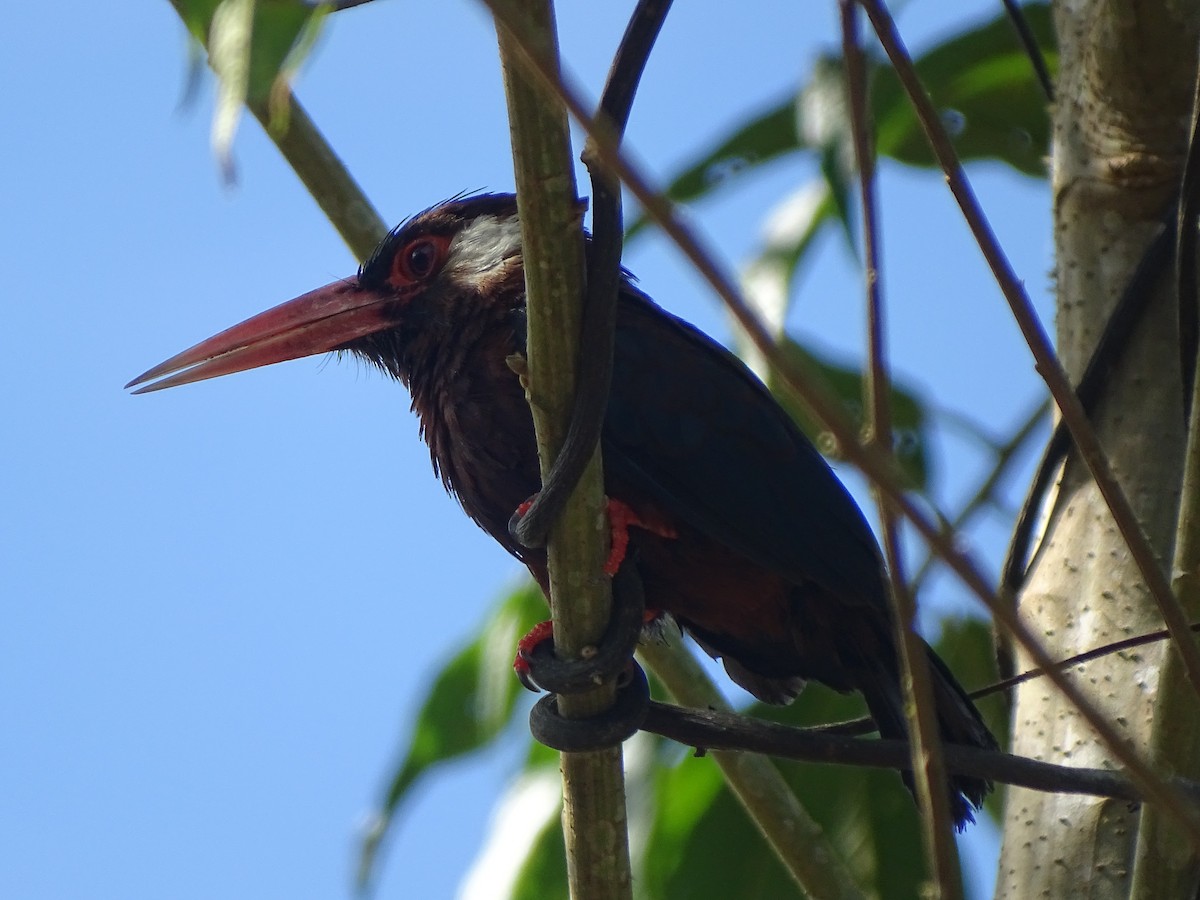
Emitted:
<point x="959" y="721"/>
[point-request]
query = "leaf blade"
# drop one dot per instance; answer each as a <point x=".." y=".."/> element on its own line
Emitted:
<point x="469" y="705"/>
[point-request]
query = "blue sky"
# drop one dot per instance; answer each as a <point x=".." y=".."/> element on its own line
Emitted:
<point x="221" y="602"/>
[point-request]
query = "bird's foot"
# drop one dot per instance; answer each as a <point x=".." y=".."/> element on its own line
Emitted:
<point x="539" y="636"/>
<point x="622" y="516"/>
<point x="536" y="651"/>
<point x="610" y="660"/>
<point x="514" y="523"/>
<point x="523" y="508"/>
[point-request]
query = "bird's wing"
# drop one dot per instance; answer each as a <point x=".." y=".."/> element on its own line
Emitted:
<point x="691" y="428"/>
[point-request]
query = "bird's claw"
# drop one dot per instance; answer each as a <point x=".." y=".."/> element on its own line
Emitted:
<point x="540" y="635"/>
<point x="538" y="668"/>
<point x="515" y="528"/>
<point x="621" y="517"/>
<point x="611" y="660"/>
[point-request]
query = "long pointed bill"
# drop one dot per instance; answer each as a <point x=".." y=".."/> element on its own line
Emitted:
<point x="317" y="322"/>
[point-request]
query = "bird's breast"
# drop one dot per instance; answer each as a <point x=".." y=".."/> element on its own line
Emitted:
<point x="477" y="424"/>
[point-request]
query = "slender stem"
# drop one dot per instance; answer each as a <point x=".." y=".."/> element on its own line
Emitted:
<point x="1186" y="287"/>
<point x="1030" y="45"/>
<point x="1006" y="454"/>
<point x="1164" y="864"/>
<point x="594" y="817"/>
<point x="718" y="730"/>
<point x="865" y="725"/>
<point x="928" y="767"/>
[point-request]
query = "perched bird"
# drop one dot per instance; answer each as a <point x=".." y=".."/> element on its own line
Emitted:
<point x="743" y="533"/>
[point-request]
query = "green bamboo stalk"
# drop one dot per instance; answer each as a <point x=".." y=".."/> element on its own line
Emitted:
<point x="594" y="816"/>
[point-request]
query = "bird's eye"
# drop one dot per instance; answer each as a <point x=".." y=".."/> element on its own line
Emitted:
<point x="418" y="260"/>
<point x="421" y="257"/>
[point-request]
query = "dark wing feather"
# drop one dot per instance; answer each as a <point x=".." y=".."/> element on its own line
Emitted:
<point x="689" y="426"/>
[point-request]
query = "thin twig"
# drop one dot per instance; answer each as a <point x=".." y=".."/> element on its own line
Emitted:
<point x="881" y="469"/>
<point x="719" y="730"/>
<point x="925" y="745"/>
<point x="1078" y="659"/>
<point x="1006" y="455"/>
<point x="865" y="725"/>
<point x="1030" y="45"/>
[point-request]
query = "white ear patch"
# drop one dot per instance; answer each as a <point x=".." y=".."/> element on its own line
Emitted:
<point x="478" y="252"/>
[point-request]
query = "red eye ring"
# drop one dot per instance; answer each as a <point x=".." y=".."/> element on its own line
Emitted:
<point x="419" y="259"/>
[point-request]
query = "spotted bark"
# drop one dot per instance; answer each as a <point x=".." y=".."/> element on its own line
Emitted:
<point x="1120" y="125"/>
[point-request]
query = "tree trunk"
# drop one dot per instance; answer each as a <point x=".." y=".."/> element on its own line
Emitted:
<point x="1120" y="125"/>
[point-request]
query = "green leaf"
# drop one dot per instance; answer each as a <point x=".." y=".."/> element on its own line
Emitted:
<point x="469" y="705"/>
<point x="297" y="52"/>
<point x="985" y="86"/>
<point x="790" y="233"/>
<point x="685" y="795"/>
<point x="825" y="127"/>
<point x="703" y="846"/>
<point x="765" y="137"/>
<point x="229" y="52"/>
<point x="909" y="420"/>
<point x="280" y="27"/>
<point x="544" y="872"/>
<point x="868" y="813"/>
<point x="981" y="78"/>
<point x="255" y="47"/>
